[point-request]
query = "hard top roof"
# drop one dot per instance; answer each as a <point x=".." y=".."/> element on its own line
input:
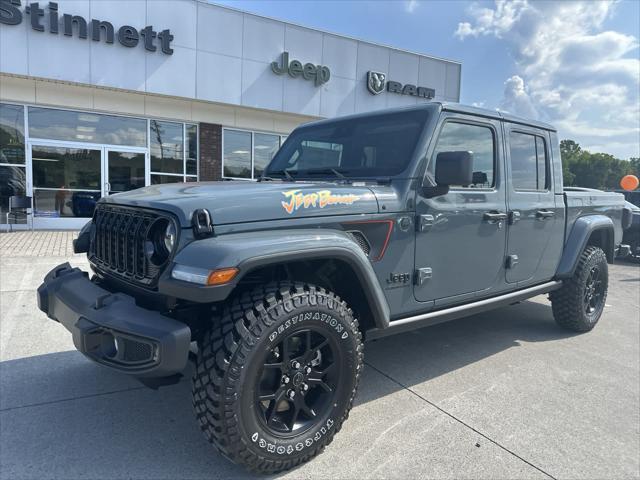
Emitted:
<point x="449" y="107"/>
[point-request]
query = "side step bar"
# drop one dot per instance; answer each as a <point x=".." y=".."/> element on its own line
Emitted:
<point x="444" y="315"/>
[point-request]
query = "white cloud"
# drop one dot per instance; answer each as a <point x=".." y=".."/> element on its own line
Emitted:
<point x="517" y="99"/>
<point x="411" y="5"/>
<point x="569" y="71"/>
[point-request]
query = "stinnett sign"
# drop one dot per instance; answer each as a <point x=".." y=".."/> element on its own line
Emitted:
<point x="128" y="36"/>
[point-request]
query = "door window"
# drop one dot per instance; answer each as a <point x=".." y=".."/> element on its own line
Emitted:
<point x="528" y="161"/>
<point x="126" y="171"/>
<point x="477" y="139"/>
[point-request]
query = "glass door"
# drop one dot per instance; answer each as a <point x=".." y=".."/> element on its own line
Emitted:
<point x="124" y="170"/>
<point x="66" y="182"/>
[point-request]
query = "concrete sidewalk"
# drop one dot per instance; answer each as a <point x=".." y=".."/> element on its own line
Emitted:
<point x="504" y="394"/>
<point x="37" y="244"/>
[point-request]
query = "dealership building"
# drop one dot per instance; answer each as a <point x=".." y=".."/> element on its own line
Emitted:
<point x="102" y="96"/>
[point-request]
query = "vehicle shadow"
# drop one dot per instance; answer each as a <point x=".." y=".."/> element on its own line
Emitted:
<point x="64" y="417"/>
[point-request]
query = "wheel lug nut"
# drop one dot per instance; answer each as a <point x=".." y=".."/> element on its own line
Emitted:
<point x="285" y="379"/>
<point x="307" y="370"/>
<point x="291" y="394"/>
<point x="295" y="364"/>
<point x="305" y="387"/>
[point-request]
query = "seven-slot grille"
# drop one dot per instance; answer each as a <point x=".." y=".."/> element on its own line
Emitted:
<point x="118" y="246"/>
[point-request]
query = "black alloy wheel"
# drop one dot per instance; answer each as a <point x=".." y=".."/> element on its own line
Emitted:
<point x="594" y="291"/>
<point x="298" y="382"/>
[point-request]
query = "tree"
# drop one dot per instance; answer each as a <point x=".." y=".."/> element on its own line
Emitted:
<point x="582" y="168"/>
<point x="569" y="152"/>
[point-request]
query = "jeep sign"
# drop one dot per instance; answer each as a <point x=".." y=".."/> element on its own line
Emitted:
<point x="318" y="73"/>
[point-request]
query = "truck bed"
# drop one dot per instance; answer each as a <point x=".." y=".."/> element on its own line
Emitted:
<point x="588" y="201"/>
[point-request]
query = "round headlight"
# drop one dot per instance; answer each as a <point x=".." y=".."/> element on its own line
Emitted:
<point x="170" y="235"/>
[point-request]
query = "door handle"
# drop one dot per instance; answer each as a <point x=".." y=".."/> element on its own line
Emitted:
<point x="494" y="217"/>
<point x="544" y="214"/>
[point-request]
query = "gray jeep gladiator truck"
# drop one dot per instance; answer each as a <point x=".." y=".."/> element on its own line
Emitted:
<point x="360" y="227"/>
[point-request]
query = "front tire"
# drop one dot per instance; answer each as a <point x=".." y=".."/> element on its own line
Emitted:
<point x="276" y="378"/>
<point x="578" y="305"/>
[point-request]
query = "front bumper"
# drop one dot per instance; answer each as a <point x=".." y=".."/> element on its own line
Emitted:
<point x="111" y="329"/>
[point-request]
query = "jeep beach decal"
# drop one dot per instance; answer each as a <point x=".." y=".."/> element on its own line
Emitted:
<point x="296" y="199"/>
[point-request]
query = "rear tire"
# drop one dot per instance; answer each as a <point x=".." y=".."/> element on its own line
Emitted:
<point x="578" y="305"/>
<point x="275" y="378"/>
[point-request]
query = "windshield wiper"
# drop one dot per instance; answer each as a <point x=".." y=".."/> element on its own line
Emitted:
<point x="284" y="172"/>
<point x="337" y="173"/>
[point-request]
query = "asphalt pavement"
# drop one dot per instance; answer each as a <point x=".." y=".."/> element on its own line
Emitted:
<point x="504" y="394"/>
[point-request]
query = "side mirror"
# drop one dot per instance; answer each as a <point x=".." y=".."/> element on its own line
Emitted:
<point x="454" y="168"/>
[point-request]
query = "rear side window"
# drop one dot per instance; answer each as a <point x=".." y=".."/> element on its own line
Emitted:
<point x="477" y="139"/>
<point x="529" y="165"/>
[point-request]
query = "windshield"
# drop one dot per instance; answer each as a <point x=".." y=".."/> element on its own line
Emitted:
<point x="372" y="146"/>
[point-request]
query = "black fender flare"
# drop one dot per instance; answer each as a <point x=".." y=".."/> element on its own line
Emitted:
<point x="249" y="251"/>
<point x="577" y="239"/>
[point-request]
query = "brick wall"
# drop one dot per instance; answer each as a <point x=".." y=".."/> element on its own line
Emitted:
<point x="210" y="152"/>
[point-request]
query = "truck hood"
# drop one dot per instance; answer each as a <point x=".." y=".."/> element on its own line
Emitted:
<point x="243" y="201"/>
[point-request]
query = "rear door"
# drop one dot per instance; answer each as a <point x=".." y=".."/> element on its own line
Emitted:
<point x="535" y="224"/>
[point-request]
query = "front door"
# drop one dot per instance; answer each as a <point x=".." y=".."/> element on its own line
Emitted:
<point x="535" y="222"/>
<point x="461" y="237"/>
<point x="124" y="171"/>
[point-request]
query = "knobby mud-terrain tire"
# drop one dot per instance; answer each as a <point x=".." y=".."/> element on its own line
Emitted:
<point x="270" y="342"/>
<point x="578" y="305"/>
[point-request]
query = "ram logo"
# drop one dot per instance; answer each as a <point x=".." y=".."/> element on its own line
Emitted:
<point x="376" y="82"/>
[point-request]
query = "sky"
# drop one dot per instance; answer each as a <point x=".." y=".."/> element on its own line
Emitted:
<point x="575" y="64"/>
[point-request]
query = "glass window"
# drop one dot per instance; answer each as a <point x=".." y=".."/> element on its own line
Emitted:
<point x="372" y="146"/>
<point x="236" y="160"/>
<point x="64" y="203"/>
<point x="159" y="179"/>
<point x="68" y="168"/>
<point x="167" y="147"/>
<point x="541" y="178"/>
<point x="192" y="149"/>
<point x="11" y="134"/>
<point x="13" y="181"/>
<point x="528" y="161"/>
<point x="86" y="127"/>
<point x="264" y="148"/>
<point x="456" y="137"/>
<point x="126" y="171"/>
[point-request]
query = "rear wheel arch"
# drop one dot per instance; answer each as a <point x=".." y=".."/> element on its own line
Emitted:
<point x="589" y="230"/>
<point x="603" y="238"/>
